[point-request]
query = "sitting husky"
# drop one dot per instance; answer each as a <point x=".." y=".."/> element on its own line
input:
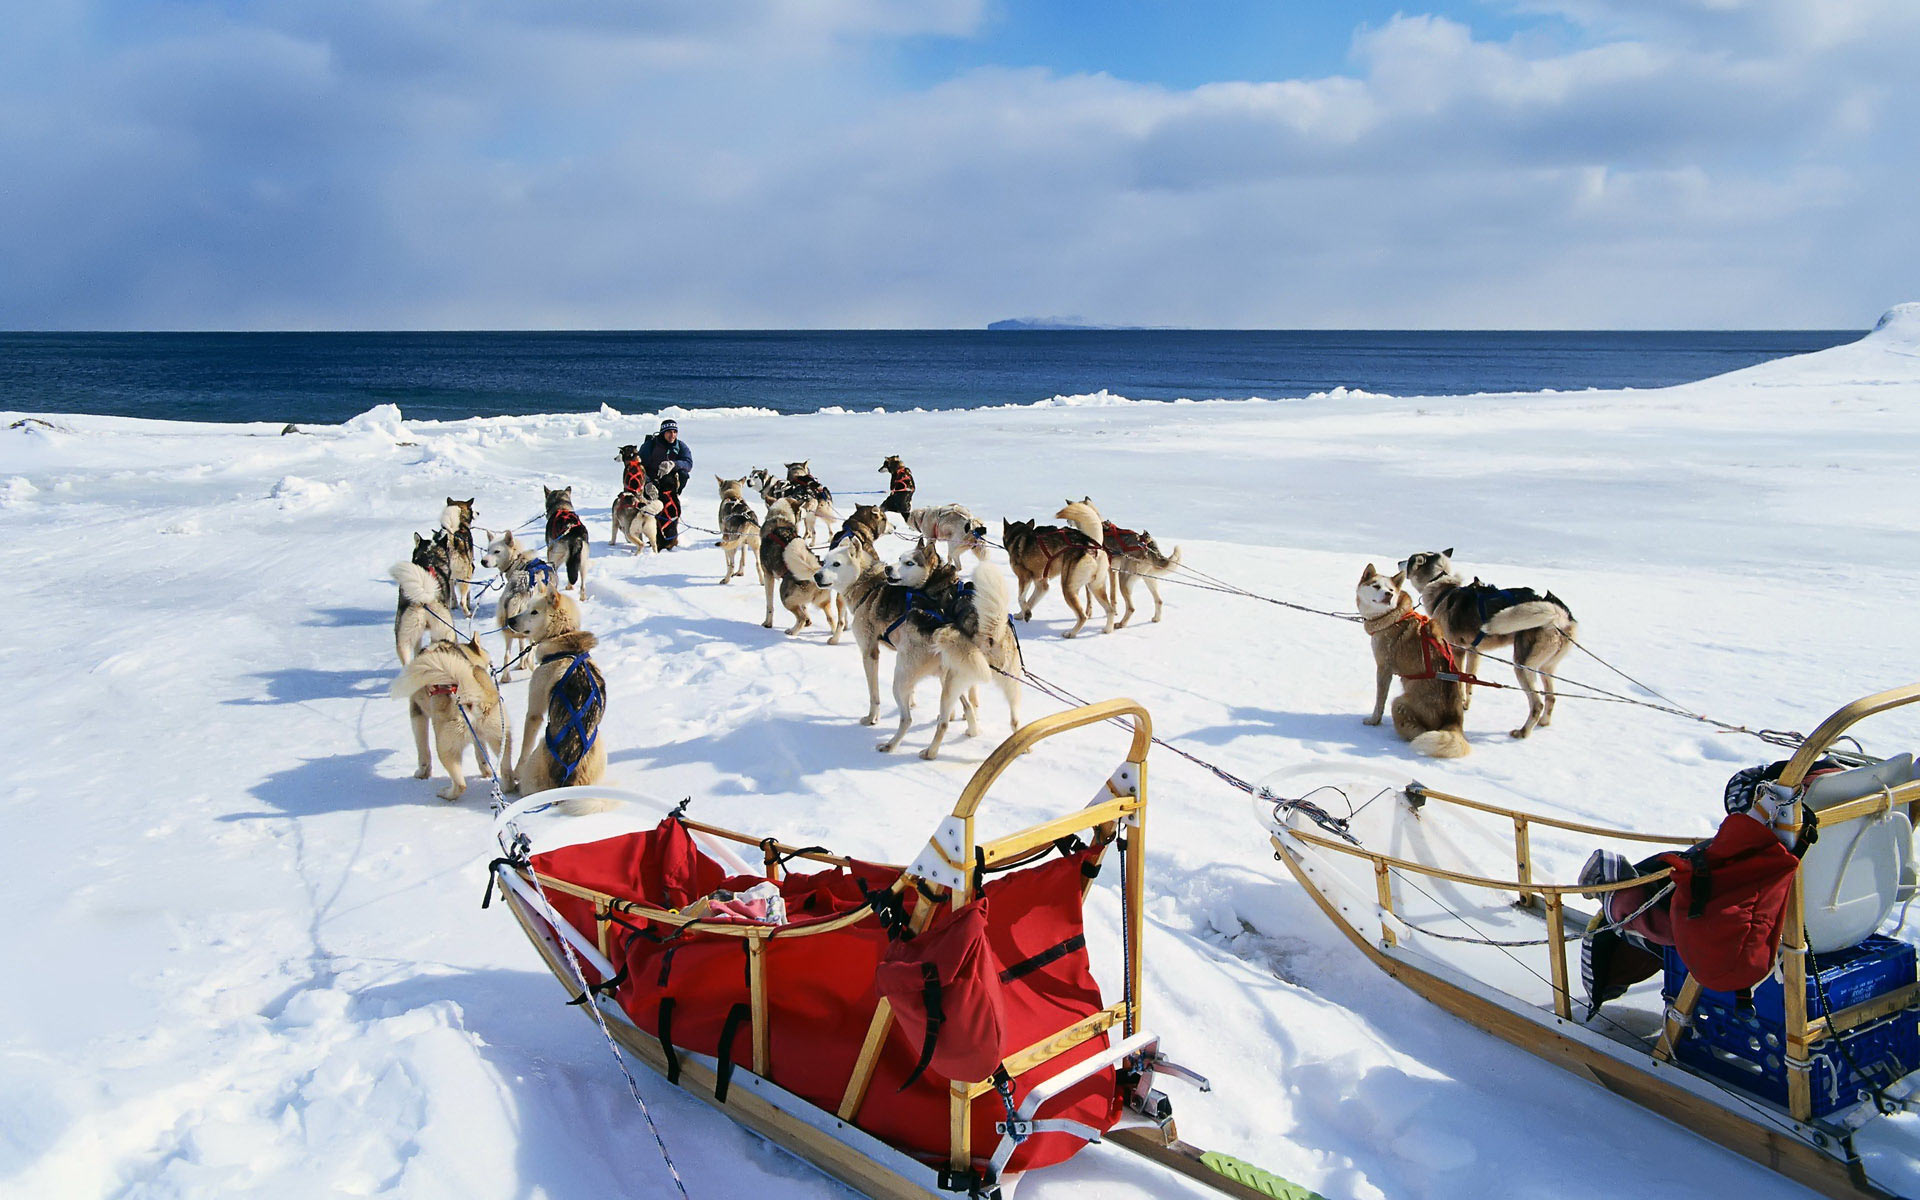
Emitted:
<point x="457" y="519"/>
<point x="422" y="612"/>
<point x="1430" y="711"/>
<point x="566" y="537"/>
<point x="1038" y="553"/>
<point x="1478" y="616"/>
<point x="899" y="487"/>
<point x="1133" y="556"/>
<point x="520" y="574"/>
<point x="739" y="529"/>
<point x="959" y="631"/>
<point x="952" y="526"/>
<point x="569" y="695"/>
<point x="444" y="681"/>
<point x="638" y="506"/>
<point x="787" y="563"/>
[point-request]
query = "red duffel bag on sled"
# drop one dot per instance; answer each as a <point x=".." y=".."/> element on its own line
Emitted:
<point x="945" y="992"/>
<point x="1729" y="903"/>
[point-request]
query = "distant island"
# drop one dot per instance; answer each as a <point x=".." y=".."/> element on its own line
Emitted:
<point x="1027" y="324"/>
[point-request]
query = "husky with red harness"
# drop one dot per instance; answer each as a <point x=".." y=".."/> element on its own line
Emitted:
<point x="1431" y="710"/>
<point x="566" y="537"/>
<point x="1133" y="556"/>
<point x="1041" y="553"/>
<point x="638" y="509"/>
<point x="899" y="487"/>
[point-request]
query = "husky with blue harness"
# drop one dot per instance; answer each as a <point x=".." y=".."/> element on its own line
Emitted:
<point x="568" y="695"/>
<point x="1476" y="617"/>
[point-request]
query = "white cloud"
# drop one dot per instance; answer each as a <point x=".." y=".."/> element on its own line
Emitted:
<point x="602" y="164"/>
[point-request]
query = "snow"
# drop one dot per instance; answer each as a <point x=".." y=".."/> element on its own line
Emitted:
<point x="250" y="958"/>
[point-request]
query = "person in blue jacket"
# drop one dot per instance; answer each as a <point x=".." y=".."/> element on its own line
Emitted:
<point x="669" y="464"/>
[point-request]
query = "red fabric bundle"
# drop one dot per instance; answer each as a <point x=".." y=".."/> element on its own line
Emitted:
<point x="1729" y="902"/>
<point x="945" y="991"/>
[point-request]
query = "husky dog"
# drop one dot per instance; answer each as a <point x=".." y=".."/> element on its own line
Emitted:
<point x="867" y="521"/>
<point x="899" y="487"/>
<point x="811" y="500"/>
<point x="445" y="681"/>
<point x="569" y="695"/>
<point x="787" y="562"/>
<point x="638" y="506"/>
<point x="739" y="529"/>
<point x="1430" y="711"/>
<point x="520" y="574"/>
<point x="1478" y="616"/>
<point x="1133" y="556"/>
<point x="1040" y="552"/>
<point x="566" y="537"/>
<point x="952" y="526"/>
<point x="421" y="612"/>
<point x="959" y="631"/>
<point x="457" y="519"/>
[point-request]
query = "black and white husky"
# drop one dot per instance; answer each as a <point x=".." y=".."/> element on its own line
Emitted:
<point x="566" y="537"/>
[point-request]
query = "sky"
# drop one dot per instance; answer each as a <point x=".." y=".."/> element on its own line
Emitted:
<point x="689" y="164"/>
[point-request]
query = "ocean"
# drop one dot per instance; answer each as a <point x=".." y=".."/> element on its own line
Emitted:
<point x="329" y="377"/>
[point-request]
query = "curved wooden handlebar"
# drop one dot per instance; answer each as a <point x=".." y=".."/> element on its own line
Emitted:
<point x="1830" y="729"/>
<point x="1023" y="739"/>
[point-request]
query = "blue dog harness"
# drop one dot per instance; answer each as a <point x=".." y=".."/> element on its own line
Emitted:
<point x="919" y="602"/>
<point x="539" y="571"/>
<point x="576" y="714"/>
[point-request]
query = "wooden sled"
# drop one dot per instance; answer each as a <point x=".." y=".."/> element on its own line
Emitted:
<point x="1097" y="1049"/>
<point x="1440" y="891"/>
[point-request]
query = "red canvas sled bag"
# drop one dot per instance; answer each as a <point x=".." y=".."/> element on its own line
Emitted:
<point x="1729" y="903"/>
<point x="946" y="996"/>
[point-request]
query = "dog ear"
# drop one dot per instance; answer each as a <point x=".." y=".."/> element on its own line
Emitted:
<point x="1448" y="552"/>
<point x="1369" y="573"/>
<point x="1399" y="577"/>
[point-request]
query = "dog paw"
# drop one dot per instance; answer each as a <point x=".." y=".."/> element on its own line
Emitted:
<point x="1518" y="733"/>
<point x="1370" y="720"/>
<point x="767" y="624"/>
<point x="451" y="794"/>
<point x="885" y="747"/>
<point x="929" y="754"/>
<point x="423" y="772"/>
<point x="870" y="720"/>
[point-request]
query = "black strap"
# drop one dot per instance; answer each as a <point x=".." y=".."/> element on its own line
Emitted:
<point x="1051" y="954"/>
<point x="493" y="874"/>
<point x="666" y="1040"/>
<point x="601" y="988"/>
<point x="666" y="965"/>
<point x="723" y="1077"/>
<point x="936" y="1017"/>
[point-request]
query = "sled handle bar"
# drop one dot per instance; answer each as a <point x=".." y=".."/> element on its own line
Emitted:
<point x="1023" y="740"/>
<point x="1830" y="729"/>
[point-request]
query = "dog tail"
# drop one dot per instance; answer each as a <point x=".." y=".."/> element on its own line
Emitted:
<point x="975" y="656"/>
<point x="417" y="584"/>
<point x="1169" y="562"/>
<point x="1442" y="743"/>
<point x="435" y="670"/>
<point x="1534" y="614"/>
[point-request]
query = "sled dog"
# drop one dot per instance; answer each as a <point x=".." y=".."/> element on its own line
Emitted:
<point x="421" y="612"/>
<point x="899" y="487"/>
<point x="520" y="574"/>
<point x="1429" y="711"/>
<point x="1132" y="555"/>
<point x="457" y="519"/>
<point x="444" y="681"/>
<point x="958" y="631"/>
<point x="637" y="509"/>
<point x="566" y="537"/>
<point x="866" y="522"/>
<point x="1478" y="616"/>
<point x="569" y="695"/>
<point x="952" y="526"/>
<point x="812" y="502"/>
<point x="788" y="565"/>
<point x="869" y="604"/>
<point x="1038" y="553"/>
<point x="739" y="529"/>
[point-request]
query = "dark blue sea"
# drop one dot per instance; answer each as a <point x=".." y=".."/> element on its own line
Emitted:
<point x="328" y="377"/>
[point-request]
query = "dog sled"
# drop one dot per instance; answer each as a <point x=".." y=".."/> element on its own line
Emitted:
<point x="1811" y="1073"/>
<point x="933" y="1030"/>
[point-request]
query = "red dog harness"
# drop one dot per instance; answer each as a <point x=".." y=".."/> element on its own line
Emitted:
<point x="1055" y="540"/>
<point x="563" y="522"/>
<point x="635" y="478"/>
<point x="902" y="480"/>
<point x="1434" y="653"/>
<point x="1123" y="541"/>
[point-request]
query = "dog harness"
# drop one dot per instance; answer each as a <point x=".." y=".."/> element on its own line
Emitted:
<point x="575" y="723"/>
<point x="902" y="480"/>
<point x="806" y="487"/>
<point x="563" y="522"/>
<point x="1434" y="653"/>
<point x="442" y="689"/>
<point x="780" y="544"/>
<point x="634" y="479"/>
<point x="920" y="602"/>
<point x="1124" y="541"/>
<point x="1055" y="540"/>
<point x="1489" y="602"/>
<point x="539" y="571"/>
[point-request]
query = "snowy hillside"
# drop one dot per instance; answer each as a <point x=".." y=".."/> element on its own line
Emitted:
<point x="247" y="948"/>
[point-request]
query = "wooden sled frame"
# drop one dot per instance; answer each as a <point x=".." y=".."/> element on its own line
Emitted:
<point x="944" y="869"/>
<point x="1818" y="1155"/>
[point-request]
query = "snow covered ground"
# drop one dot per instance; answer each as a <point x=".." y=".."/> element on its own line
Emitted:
<point x="249" y="957"/>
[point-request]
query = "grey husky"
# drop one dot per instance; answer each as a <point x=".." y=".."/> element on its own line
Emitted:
<point x="739" y="530"/>
<point x="1478" y="616"/>
<point x="566" y="537"/>
<point x="1132" y="555"/>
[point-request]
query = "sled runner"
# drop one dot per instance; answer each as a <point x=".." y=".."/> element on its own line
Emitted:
<point x="932" y="1030"/>
<point x="1811" y="1073"/>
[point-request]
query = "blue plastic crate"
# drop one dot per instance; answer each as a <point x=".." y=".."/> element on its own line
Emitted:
<point x="1746" y="1049"/>
<point x="1852" y="976"/>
